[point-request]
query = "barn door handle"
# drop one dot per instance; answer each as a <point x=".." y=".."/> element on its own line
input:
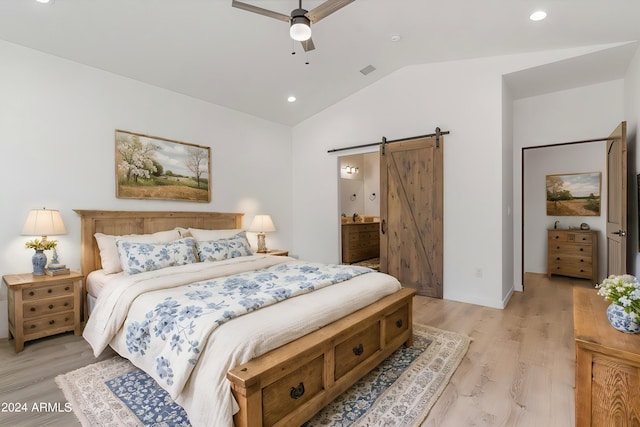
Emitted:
<point x="383" y="226"/>
<point x="620" y="233"/>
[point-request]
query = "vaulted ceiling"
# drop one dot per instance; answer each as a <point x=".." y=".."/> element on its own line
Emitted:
<point x="230" y="57"/>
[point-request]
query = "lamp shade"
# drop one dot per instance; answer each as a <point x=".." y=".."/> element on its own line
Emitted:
<point x="262" y="224"/>
<point x="44" y="222"/>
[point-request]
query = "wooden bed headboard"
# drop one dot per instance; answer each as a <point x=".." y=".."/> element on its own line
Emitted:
<point x="119" y="223"/>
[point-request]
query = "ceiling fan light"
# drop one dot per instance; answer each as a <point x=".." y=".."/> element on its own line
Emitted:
<point x="300" y="29"/>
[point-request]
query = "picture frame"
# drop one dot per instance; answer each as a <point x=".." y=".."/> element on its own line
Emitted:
<point x="150" y="167"/>
<point x="575" y="194"/>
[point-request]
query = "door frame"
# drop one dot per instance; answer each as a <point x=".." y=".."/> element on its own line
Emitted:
<point x="522" y="189"/>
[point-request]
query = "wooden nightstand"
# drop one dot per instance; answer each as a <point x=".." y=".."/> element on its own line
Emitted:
<point x="40" y="306"/>
<point x="276" y="252"/>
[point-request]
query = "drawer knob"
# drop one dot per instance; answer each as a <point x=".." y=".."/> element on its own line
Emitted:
<point x="33" y="309"/>
<point x="557" y="237"/>
<point x="297" y="392"/>
<point x="557" y="258"/>
<point x="49" y="290"/>
<point x="31" y="294"/>
<point x="50" y="306"/>
<point x="66" y="288"/>
<point x="399" y="323"/>
<point x="51" y="322"/>
<point x="581" y="249"/>
<point x="358" y="350"/>
<point x="66" y="304"/>
<point x="33" y="326"/>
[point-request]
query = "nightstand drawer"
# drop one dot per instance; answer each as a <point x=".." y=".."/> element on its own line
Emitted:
<point x="49" y="323"/>
<point x="39" y="292"/>
<point x="47" y="306"/>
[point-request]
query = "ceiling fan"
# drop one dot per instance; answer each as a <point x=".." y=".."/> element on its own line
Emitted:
<point x="300" y="19"/>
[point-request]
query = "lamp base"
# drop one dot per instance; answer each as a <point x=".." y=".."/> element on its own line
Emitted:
<point x="262" y="244"/>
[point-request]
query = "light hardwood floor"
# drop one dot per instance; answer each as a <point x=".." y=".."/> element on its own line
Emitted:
<point x="519" y="370"/>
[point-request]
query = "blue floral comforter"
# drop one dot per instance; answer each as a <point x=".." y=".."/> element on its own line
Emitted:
<point x="167" y="337"/>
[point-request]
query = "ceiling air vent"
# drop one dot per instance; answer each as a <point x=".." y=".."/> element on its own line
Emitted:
<point x="368" y="69"/>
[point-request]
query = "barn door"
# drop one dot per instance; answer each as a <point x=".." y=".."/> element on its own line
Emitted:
<point x="617" y="201"/>
<point x="411" y="190"/>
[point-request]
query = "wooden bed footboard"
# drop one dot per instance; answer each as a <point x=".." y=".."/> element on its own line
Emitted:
<point x="290" y="384"/>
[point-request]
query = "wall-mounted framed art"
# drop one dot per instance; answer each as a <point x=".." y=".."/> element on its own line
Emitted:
<point x="150" y="167"/>
<point x="575" y="194"/>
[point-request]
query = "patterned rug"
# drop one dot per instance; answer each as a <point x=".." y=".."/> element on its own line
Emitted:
<point x="399" y="392"/>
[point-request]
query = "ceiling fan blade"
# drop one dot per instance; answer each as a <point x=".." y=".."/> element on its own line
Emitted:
<point x="326" y="9"/>
<point x="260" y="11"/>
<point x="308" y="45"/>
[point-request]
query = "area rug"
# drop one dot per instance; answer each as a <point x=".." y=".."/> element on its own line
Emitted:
<point x="399" y="392"/>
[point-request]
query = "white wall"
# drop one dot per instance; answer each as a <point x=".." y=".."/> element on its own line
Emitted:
<point x="632" y="116"/>
<point x="463" y="97"/>
<point x="573" y="115"/>
<point x="371" y="184"/>
<point x="58" y="120"/>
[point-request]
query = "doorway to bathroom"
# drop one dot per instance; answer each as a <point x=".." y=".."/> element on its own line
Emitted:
<point x="359" y="189"/>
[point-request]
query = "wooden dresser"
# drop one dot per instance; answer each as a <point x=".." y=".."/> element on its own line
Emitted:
<point x="607" y="366"/>
<point x="360" y="241"/>
<point x="40" y="306"/>
<point x="573" y="253"/>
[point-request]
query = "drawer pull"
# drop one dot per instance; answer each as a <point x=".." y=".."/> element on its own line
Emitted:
<point x="33" y="326"/>
<point x="51" y="322"/>
<point x="33" y="309"/>
<point x="50" y="306"/>
<point x="49" y="290"/>
<point x="31" y="294"/>
<point x="557" y="258"/>
<point x="358" y="350"/>
<point x="297" y="392"/>
<point x="581" y="249"/>
<point x="399" y="323"/>
<point x="66" y="304"/>
<point x="557" y="237"/>
<point x="66" y="288"/>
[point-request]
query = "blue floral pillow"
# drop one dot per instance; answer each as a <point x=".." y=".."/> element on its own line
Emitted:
<point x="212" y="250"/>
<point x="140" y="257"/>
<point x="239" y="245"/>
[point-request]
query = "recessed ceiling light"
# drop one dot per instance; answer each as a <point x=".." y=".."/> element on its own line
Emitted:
<point x="396" y="37"/>
<point x="44" y="1"/>
<point x="538" y="15"/>
<point x="291" y="99"/>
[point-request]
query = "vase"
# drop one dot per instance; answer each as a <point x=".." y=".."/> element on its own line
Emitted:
<point x="621" y="320"/>
<point x="39" y="260"/>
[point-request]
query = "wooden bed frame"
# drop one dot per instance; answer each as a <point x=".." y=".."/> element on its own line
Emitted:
<point x="290" y="384"/>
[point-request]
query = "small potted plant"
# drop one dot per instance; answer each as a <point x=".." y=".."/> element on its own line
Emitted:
<point x="39" y="259"/>
<point x="624" y="293"/>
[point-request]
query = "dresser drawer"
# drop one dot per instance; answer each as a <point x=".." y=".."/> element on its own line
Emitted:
<point x="44" y="325"/>
<point x="292" y="391"/>
<point x="356" y="349"/>
<point x="396" y="323"/>
<point x="574" y="270"/>
<point x="47" y="291"/>
<point x="569" y="248"/>
<point x="47" y="306"/>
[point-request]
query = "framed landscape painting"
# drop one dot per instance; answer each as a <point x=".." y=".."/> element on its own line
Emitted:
<point x="576" y="194"/>
<point x="149" y="167"/>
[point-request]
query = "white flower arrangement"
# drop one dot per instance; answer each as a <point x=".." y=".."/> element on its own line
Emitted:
<point x="623" y="290"/>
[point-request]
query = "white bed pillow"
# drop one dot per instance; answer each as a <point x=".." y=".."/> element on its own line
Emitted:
<point x="138" y="257"/>
<point x="208" y="235"/>
<point x="109" y="252"/>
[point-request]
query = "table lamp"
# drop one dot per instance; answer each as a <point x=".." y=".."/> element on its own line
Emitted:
<point x="43" y="222"/>
<point x="262" y="224"/>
